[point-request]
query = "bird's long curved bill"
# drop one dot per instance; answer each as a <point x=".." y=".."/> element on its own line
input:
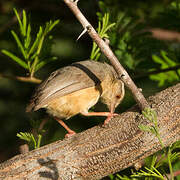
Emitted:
<point x="112" y="107"/>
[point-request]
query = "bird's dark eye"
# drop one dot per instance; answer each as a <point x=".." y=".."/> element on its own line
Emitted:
<point x="117" y="96"/>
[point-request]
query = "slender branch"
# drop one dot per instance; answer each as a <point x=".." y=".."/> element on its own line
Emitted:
<point x="164" y="34"/>
<point x="28" y="79"/>
<point x="142" y="75"/>
<point x="109" y="54"/>
<point x="24" y="148"/>
<point x="43" y="122"/>
<point x="100" y="151"/>
<point x="20" y="78"/>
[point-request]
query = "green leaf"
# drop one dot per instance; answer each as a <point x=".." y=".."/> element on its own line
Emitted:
<point x="31" y="51"/>
<point x="39" y="141"/>
<point x="25" y="136"/>
<point x="29" y="137"/>
<point x="149" y="173"/>
<point x="36" y="42"/>
<point x="19" y="21"/>
<point x="151" y="161"/>
<point x="99" y="26"/>
<point x="158" y="60"/>
<point x="144" y="128"/>
<point x="94" y="48"/>
<point x="28" y="38"/>
<point x="49" y="26"/>
<point x="36" y="60"/>
<point x="103" y="27"/>
<point x="109" y="27"/>
<point x="33" y="56"/>
<point x="169" y="62"/>
<point x="53" y="24"/>
<point x="151" y="115"/>
<point x="19" y="43"/>
<point x="44" y="62"/>
<point x="165" y="63"/>
<point x="124" y="177"/>
<point x="97" y="56"/>
<point x="15" y="58"/>
<point x="24" y="23"/>
<point x="176" y="145"/>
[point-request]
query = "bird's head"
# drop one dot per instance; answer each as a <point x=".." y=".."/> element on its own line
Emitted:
<point x="113" y="94"/>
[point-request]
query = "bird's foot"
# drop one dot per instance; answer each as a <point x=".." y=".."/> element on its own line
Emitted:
<point x="109" y="117"/>
<point x="70" y="133"/>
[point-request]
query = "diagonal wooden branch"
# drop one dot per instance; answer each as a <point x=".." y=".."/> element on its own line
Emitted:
<point x="141" y="101"/>
<point x="99" y="151"/>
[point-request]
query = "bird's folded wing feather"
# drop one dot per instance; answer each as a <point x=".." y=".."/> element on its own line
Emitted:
<point x="65" y="81"/>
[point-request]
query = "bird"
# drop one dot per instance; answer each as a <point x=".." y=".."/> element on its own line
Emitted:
<point x="75" y="88"/>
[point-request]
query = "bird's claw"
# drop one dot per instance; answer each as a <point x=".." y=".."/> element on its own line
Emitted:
<point x="111" y="115"/>
<point x="69" y="134"/>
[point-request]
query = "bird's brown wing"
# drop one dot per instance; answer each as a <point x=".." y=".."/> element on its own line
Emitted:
<point x="66" y="80"/>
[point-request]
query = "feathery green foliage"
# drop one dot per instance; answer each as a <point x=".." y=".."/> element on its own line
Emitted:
<point x="154" y="165"/>
<point x="165" y="62"/>
<point x="33" y="142"/>
<point x="135" y="48"/>
<point x="31" y="51"/>
<point x="103" y="27"/>
<point x="34" y="139"/>
<point x="151" y="115"/>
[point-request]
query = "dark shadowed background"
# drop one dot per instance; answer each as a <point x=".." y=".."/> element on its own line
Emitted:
<point x="139" y="15"/>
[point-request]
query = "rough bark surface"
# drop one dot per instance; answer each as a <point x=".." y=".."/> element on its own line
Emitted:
<point x="99" y="151"/>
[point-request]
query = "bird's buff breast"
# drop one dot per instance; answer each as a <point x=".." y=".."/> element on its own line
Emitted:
<point x="74" y="103"/>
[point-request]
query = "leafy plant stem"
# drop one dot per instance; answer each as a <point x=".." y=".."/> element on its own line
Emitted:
<point x="170" y="164"/>
<point x="39" y="140"/>
<point x="37" y="56"/>
<point x="160" y="140"/>
<point x="34" y="141"/>
<point x="29" y="66"/>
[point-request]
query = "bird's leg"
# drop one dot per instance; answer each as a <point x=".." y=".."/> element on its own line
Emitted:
<point x="111" y="115"/>
<point x="108" y="114"/>
<point x="70" y="132"/>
